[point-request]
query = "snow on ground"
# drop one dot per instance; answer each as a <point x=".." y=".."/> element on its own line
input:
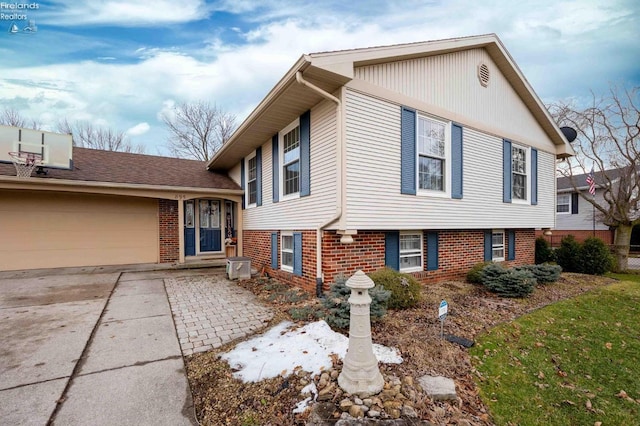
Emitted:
<point x="282" y="348"/>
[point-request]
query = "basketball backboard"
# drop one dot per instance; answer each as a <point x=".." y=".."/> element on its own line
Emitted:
<point x="55" y="148"/>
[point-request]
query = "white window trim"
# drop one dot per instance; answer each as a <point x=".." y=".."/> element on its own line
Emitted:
<point x="504" y="245"/>
<point x="284" y="267"/>
<point x="446" y="193"/>
<point x="570" y="202"/>
<point x="415" y="268"/>
<point x="281" y="134"/>
<point x="527" y="153"/>
<point x="246" y="179"/>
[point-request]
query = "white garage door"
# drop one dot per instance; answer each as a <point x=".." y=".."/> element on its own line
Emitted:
<point x="50" y="230"/>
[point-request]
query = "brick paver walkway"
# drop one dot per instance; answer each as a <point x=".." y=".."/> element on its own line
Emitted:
<point x="210" y="310"/>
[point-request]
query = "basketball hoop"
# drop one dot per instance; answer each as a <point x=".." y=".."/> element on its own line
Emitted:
<point x="25" y="163"/>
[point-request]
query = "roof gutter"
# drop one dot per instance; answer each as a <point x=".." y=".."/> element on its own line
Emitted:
<point x="339" y="166"/>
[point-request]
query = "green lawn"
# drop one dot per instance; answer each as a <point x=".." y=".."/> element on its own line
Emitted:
<point x="566" y="364"/>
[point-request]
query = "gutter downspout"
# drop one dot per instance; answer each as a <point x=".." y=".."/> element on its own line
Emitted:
<point x="339" y="161"/>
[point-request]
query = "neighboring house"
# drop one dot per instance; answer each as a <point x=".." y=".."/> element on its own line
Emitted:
<point x="110" y="208"/>
<point x="426" y="157"/>
<point x="577" y="216"/>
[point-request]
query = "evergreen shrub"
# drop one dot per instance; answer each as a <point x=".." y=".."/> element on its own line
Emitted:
<point x="508" y="282"/>
<point x="595" y="257"/>
<point x="544" y="252"/>
<point x="337" y="304"/>
<point x="568" y="254"/>
<point x="405" y="289"/>
<point x="544" y="273"/>
<point x="474" y="275"/>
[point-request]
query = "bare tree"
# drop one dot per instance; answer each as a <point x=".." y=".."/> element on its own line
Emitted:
<point x="11" y="117"/>
<point x="198" y="129"/>
<point x="609" y="143"/>
<point x="86" y="135"/>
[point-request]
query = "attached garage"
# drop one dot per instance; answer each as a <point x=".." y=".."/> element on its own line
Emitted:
<point x="55" y="229"/>
<point x="109" y="208"/>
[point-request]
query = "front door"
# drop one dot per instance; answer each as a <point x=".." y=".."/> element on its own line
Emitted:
<point x="209" y="220"/>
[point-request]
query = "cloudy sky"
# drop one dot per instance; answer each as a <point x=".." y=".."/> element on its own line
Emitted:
<point x="122" y="63"/>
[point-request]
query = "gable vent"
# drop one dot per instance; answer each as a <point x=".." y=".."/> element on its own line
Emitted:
<point x="483" y="74"/>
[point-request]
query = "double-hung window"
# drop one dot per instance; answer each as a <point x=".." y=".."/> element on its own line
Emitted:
<point x="497" y="245"/>
<point x="410" y="251"/>
<point x="286" y="252"/>
<point x="252" y="185"/>
<point x="518" y="173"/>
<point x="432" y="154"/>
<point x="291" y="161"/>
<point x="563" y="204"/>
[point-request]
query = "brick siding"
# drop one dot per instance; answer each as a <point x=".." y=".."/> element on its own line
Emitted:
<point x="459" y="250"/>
<point x="169" y="229"/>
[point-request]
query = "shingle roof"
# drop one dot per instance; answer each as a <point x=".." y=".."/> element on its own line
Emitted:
<point x="95" y="165"/>
<point x="581" y="180"/>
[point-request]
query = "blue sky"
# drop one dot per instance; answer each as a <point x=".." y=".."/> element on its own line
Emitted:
<point x="121" y="64"/>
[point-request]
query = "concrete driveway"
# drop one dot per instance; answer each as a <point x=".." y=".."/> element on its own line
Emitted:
<point x="90" y="346"/>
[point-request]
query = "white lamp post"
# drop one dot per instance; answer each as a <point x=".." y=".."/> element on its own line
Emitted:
<point x="360" y="374"/>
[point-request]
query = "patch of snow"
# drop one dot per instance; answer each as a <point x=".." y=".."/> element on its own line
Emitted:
<point x="282" y="348"/>
<point x="305" y="403"/>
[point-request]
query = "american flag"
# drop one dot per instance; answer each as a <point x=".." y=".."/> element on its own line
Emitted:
<point x="592" y="183"/>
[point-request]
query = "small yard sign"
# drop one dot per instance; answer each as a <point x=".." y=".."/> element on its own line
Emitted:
<point x="442" y="315"/>
<point x="442" y="311"/>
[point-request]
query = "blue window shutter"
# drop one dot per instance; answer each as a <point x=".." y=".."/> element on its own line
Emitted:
<point x="242" y="179"/>
<point x="392" y="250"/>
<point x="432" y="251"/>
<point x="534" y="176"/>
<point x="305" y="154"/>
<point x="574" y="203"/>
<point x="506" y="171"/>
<point x="488" y="245"/>
<point x="456" y="161"/>
<point x="274" y="250"/>
<point x="408" y="151"/>
<point x="259" y="176"/>
<point x="297" y="253"/>
<point x="276" y="168"/>
<point x="511" y="241"/>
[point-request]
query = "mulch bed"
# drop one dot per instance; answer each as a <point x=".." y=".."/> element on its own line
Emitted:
<point x="222" y="400"/>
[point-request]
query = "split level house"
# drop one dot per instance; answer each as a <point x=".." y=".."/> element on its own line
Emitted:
<point x="425" y="157"/>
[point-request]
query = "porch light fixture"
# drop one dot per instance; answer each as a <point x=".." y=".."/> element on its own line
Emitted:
<point x="547" y="232"/>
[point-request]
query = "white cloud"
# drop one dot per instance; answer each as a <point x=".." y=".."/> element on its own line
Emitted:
<point x="561" y="48"/>
<point x="138" y="129"/>
<point x="125" y="12"/>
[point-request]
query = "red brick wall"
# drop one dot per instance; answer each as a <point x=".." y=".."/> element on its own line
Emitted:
<point x="169" y="231"/>
<point x="459" y="250"/>
<point x="257" y="246"/>
<point x="554" y="239"/>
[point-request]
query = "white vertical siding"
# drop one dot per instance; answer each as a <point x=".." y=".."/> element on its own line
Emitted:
<point x="306" y="212"/>
<point x="450" y="81"/>
<point x="374" y="200"/>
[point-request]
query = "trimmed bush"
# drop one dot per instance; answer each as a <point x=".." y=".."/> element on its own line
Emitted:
<point x="508" y="282"/>
<point x="568" y="254"/>
<point x="544" y="274"/>
<point x="544" y="252"/>
<point x="338" y="306"/>
<point x="405" y="290"/>
<point x="595" y="257"/>
<point x="474" y="275"/>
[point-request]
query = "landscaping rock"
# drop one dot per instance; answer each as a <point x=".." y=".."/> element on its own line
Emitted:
<point x="438" y="388"/>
